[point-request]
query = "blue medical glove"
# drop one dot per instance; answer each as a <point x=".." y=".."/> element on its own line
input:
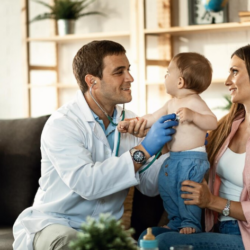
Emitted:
<point x="159" y="134"/>
<point x="206" y="139"/>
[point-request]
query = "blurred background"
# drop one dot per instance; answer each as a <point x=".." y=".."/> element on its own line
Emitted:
<point x="36" y="63"/>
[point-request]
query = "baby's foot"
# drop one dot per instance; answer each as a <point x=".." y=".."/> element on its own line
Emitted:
<point x="166" y="227"/>
<point x="187" y="230"/>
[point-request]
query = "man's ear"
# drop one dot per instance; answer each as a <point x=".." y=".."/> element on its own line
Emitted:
<point x="181" y="83"/>
<point x="90" y="80"/>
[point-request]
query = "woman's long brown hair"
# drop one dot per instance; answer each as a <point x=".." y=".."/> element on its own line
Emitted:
<point x="217" y="137"/>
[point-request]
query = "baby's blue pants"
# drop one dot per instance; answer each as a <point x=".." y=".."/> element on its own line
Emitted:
<point x="227" y="238"/>
<point x="181" y="166"/>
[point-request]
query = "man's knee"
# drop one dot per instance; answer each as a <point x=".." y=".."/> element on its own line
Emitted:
<point x="54" y="237"/>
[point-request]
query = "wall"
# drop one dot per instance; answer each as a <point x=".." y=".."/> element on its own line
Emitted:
<point x="216" y="46"/>
<point x="11" y="77"/>
<point x="117" y="19"/>
<point x="12" y="86"/>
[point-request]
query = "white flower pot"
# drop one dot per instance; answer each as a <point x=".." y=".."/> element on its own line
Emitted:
<point x="65" y="27"/>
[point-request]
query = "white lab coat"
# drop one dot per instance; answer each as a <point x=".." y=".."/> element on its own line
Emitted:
<point x="80" y="174"/>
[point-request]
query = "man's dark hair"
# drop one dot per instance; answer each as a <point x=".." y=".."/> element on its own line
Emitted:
<point x="89" y="60"/>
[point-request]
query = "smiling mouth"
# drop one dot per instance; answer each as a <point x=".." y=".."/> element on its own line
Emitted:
<point x="232" y="90"/>
<point x="126" y="89"/>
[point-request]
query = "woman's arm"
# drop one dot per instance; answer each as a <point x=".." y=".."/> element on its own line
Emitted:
<point x="200" y="195"/>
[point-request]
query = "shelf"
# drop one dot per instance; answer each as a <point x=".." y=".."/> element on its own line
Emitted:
<point x="214" y="81"/>
<point x="57" y="85"/>
<point x="75" y="38"/>
<point x="219" y="80"/>
<point x="156" y="62"/>
<point x="176" y="31"/>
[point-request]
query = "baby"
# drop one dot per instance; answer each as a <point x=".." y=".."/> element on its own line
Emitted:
<point x="188" y="75"/>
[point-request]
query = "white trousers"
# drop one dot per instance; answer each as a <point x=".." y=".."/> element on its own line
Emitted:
<point x="54" y="237"/>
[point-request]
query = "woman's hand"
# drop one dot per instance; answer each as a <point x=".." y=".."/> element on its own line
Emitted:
<point x="199" y="193"/>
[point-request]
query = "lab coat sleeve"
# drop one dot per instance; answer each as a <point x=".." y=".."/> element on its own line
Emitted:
<point x="68" y="149"/>
<point x="149" y="178"/>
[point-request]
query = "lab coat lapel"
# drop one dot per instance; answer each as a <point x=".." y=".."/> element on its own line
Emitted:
<point x="84" y="107"/>
<point x="87" y="114"/>
<point x="99" y="134"/>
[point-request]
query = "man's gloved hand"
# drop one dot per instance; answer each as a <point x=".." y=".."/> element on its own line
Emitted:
<point x="207" y="134"/>
<point x="159" y="134"/>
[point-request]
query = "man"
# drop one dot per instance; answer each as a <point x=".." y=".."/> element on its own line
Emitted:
<point x="81" y="174"/>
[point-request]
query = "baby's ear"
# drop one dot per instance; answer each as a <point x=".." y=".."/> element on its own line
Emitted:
<point x="181" y="83"/>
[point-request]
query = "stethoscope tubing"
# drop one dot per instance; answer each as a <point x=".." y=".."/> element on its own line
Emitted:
<point x="119" y="133"/>
<point x="109" y="118"/>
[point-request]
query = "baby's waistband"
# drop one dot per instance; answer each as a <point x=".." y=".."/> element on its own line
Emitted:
<point x="199" y="149"/>
<point x="199" y="153"/>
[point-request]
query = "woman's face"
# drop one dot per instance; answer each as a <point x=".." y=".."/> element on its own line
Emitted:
<point x="238" y="81"/>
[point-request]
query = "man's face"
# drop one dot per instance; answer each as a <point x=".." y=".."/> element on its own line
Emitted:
<point x="115" y="86"/>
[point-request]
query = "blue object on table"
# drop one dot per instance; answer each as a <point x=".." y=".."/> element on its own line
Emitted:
<point x="214" y="5"/>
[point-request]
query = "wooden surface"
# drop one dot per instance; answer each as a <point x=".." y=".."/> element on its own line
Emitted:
<point x="76" y="38"/>
<point x="191" y="29"/>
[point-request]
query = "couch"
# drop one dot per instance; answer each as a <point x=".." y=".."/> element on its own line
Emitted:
<point x="20" y="170"/>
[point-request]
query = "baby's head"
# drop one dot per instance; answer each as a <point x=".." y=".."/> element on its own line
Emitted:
<point x="195" y="69"/>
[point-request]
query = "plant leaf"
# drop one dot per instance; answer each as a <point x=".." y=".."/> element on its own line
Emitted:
<point x="66" y="9"/>
<point x="91" y="13"/>
<point x="87" y="4"/>
<point x="45" y="4"/>
<point x="42" y="17"/>
<point x="227" y="105"/>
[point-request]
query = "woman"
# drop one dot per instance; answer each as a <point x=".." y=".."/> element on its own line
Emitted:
<point x="226" y="198"/>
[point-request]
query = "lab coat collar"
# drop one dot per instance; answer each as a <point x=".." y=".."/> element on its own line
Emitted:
<point x="85" y="109"/>
<point x="96" y="128"/>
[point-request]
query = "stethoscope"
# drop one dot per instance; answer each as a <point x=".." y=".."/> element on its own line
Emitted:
<point x="119" y="133"/>
<point x="109" y="118"/>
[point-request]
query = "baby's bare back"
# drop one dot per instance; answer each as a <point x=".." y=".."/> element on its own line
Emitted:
<point x="188" y="135"/>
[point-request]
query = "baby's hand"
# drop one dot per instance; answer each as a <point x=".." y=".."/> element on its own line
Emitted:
<point x="135" y="126"/>
<point x="185" y="115"/>
<point x="138" y="127"/>
<point x="123" y="126"/>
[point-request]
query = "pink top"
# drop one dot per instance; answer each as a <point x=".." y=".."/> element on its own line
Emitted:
<point x="214" y="185"/>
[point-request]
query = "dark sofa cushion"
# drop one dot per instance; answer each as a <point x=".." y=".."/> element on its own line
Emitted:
<point x="20" y="164"/>
<point x="6" y="238"/>
<point x="147" y="212"/>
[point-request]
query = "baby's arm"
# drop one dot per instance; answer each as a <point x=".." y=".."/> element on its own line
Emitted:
<point x="199" y="114"/>
<point x="123" y="125"/>
<point x="152" y="118"/>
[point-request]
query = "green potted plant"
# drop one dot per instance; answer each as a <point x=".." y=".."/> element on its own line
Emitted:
<point x="65" y="12"/>
<point x="106" y="233"/>
<point x="228" y="102"/>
